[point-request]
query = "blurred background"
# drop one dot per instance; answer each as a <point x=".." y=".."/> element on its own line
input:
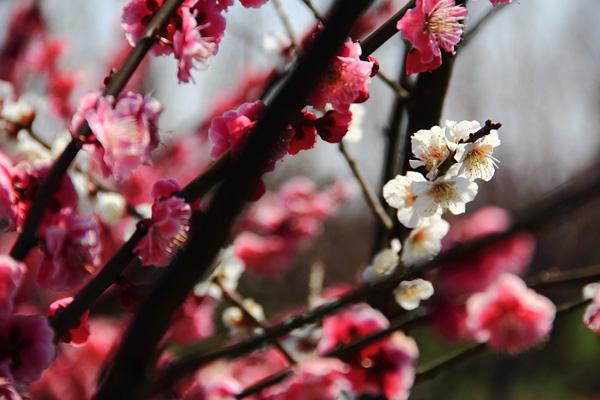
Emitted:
<point x="534" y="67"/>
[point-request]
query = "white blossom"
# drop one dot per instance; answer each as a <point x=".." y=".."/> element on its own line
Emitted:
<point x="476" y="159"/>
<point x="409" y="294"/>
<point x="355" y="131"/>
<point x="398" y="194"/>
<point x="444" y="193"/>
<point x="110" y="206"/>
<point x="228" y="273"/>
<point x="425" y="241"/>
<point x="431" y="148"/>
<point x="460" y="131"/>
<point x="590" y="290"/>
<point x="383" y="263"/>
<point x="237" y="322"/>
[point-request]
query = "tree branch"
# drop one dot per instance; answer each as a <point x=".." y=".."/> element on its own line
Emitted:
<point x="371" y="198"/>
<point x="27" y="238"/>
<point x="560" y="202"/>
<point x="209" y="231"/>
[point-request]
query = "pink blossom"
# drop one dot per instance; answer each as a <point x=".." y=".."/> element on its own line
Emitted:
<point x="193" y="322"/>
<point x="229" y="130"/>
<point x="26" y="181"/>
<point x="483" y="267"/>
<point x="7" y="390"/>
<point x="77" y="335"/>
<point x="496" y="2"/>
<point x="27" y="346"/>
<point x="190" y="46"/>
<point x="253" y="3"/>
<point x="257" y="366"/>
<point x="73" y="374"/>
<point x="223" y="388"/>
<point x="346" y="81"/>
<point x="273" y="230"/>
<point x="384" y="367"/>
<point x="11" y="274"/>
<point x="72" y="251"/>
<point x="127" y="131"/>
<point x="263" y="255"/>
<point x="429" y="26"/>
<point x="8" y="206"/>
<point x="169" y="224"/>
<point x="316" y="379"/>
<point x="192" y="34"/>
<point x="333" y="126"/>
<point x="509" y="316"/>
<point x="304" y="133"/>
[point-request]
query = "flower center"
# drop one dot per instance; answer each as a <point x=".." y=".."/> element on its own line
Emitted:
<point x="444" y="21"/>
<point x="442" y="191"/>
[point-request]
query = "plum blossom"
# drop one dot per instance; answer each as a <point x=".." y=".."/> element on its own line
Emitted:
<point x="26" y="180"/>
<point x="431" y="149"/>
<point x="384" y="262"/>
<point x="429" y="26"/>
<point x="316" y="379"/>
<point x="193" y="321"/>
<point x="444" y="193"/>
<point x="509" y="316"/>
<point x="74" y="372"/>
<point x="236" y="319"/>
<point x="11" y="274"/>
<point x="8" y="391"/>
<point x="8" y="206"/>
<point x="409" y="294"/>
<point x="77" y="335"/>
<point x="398" y="193"/>
<point x="189" y="46"/>
<point x="476" y="159"/>
<point x="27" y="346"/>
<point x="192" y="34"/>
<point x="334" y="124"/>
<point x="254" y="3"/>
<point x="496" y="2"/>
<point x="483" y="267"/>
<point x="167" y="226"/>
<point x="425" y="241"/>
<point x="305" y="132"/>
<point x="591" y="316"/>
<point x="355" y="131"/>
<point x="273" y="229"/>
<point x="126" y="129"/>
<point x="110" y="206"/>
<point x="385" y="367"/>
<point x="227" y="273"/>
<point x="346" y="82"/>
<point x="457" y="132"/>
<point x="72" y="249"/>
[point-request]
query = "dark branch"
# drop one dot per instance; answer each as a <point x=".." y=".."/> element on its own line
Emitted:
<point x="209" y="231"/>
<point x="560" y="203"/>
<point x="27" y="238"/>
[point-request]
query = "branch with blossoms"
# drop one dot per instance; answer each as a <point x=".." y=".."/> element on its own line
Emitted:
<point x="182" y="255"/>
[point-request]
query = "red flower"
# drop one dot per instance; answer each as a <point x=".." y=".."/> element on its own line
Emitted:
<point x="429" y="26"/>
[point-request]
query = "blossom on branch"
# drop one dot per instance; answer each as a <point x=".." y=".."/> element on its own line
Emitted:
<point x="346" y="80"/>
<point x="11" y="274"/>
<point x="125" y="131"/>
<point x="27" y="346"/>
<point x="591" y="317"/>
<point x="425" y="241"/>
<point x="193" y="33"/>
<point x="409" y="294"/>
<point x="509" y="316"/>
<point x="167" y="227"/>
<point x="78" y="334"/>
<point x="430" y="26"/>
<point x="71" y="249"/>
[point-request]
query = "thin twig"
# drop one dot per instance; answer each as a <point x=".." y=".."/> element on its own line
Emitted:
<point x="314" y="10"/>
<point x="370" y="196"/>
<point x="470" y="34"/>
<point x="238" y="302"/>
<point x="27" y="238"/>
<point x="208" y="231"/>
<point x="435" y="367"/>
<point x="382" y="34"/>
<point x="287" y="24"/>
<point x="562" y="202"/>
<point x="401" y="93"/>
<point x="419" y="315"/>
